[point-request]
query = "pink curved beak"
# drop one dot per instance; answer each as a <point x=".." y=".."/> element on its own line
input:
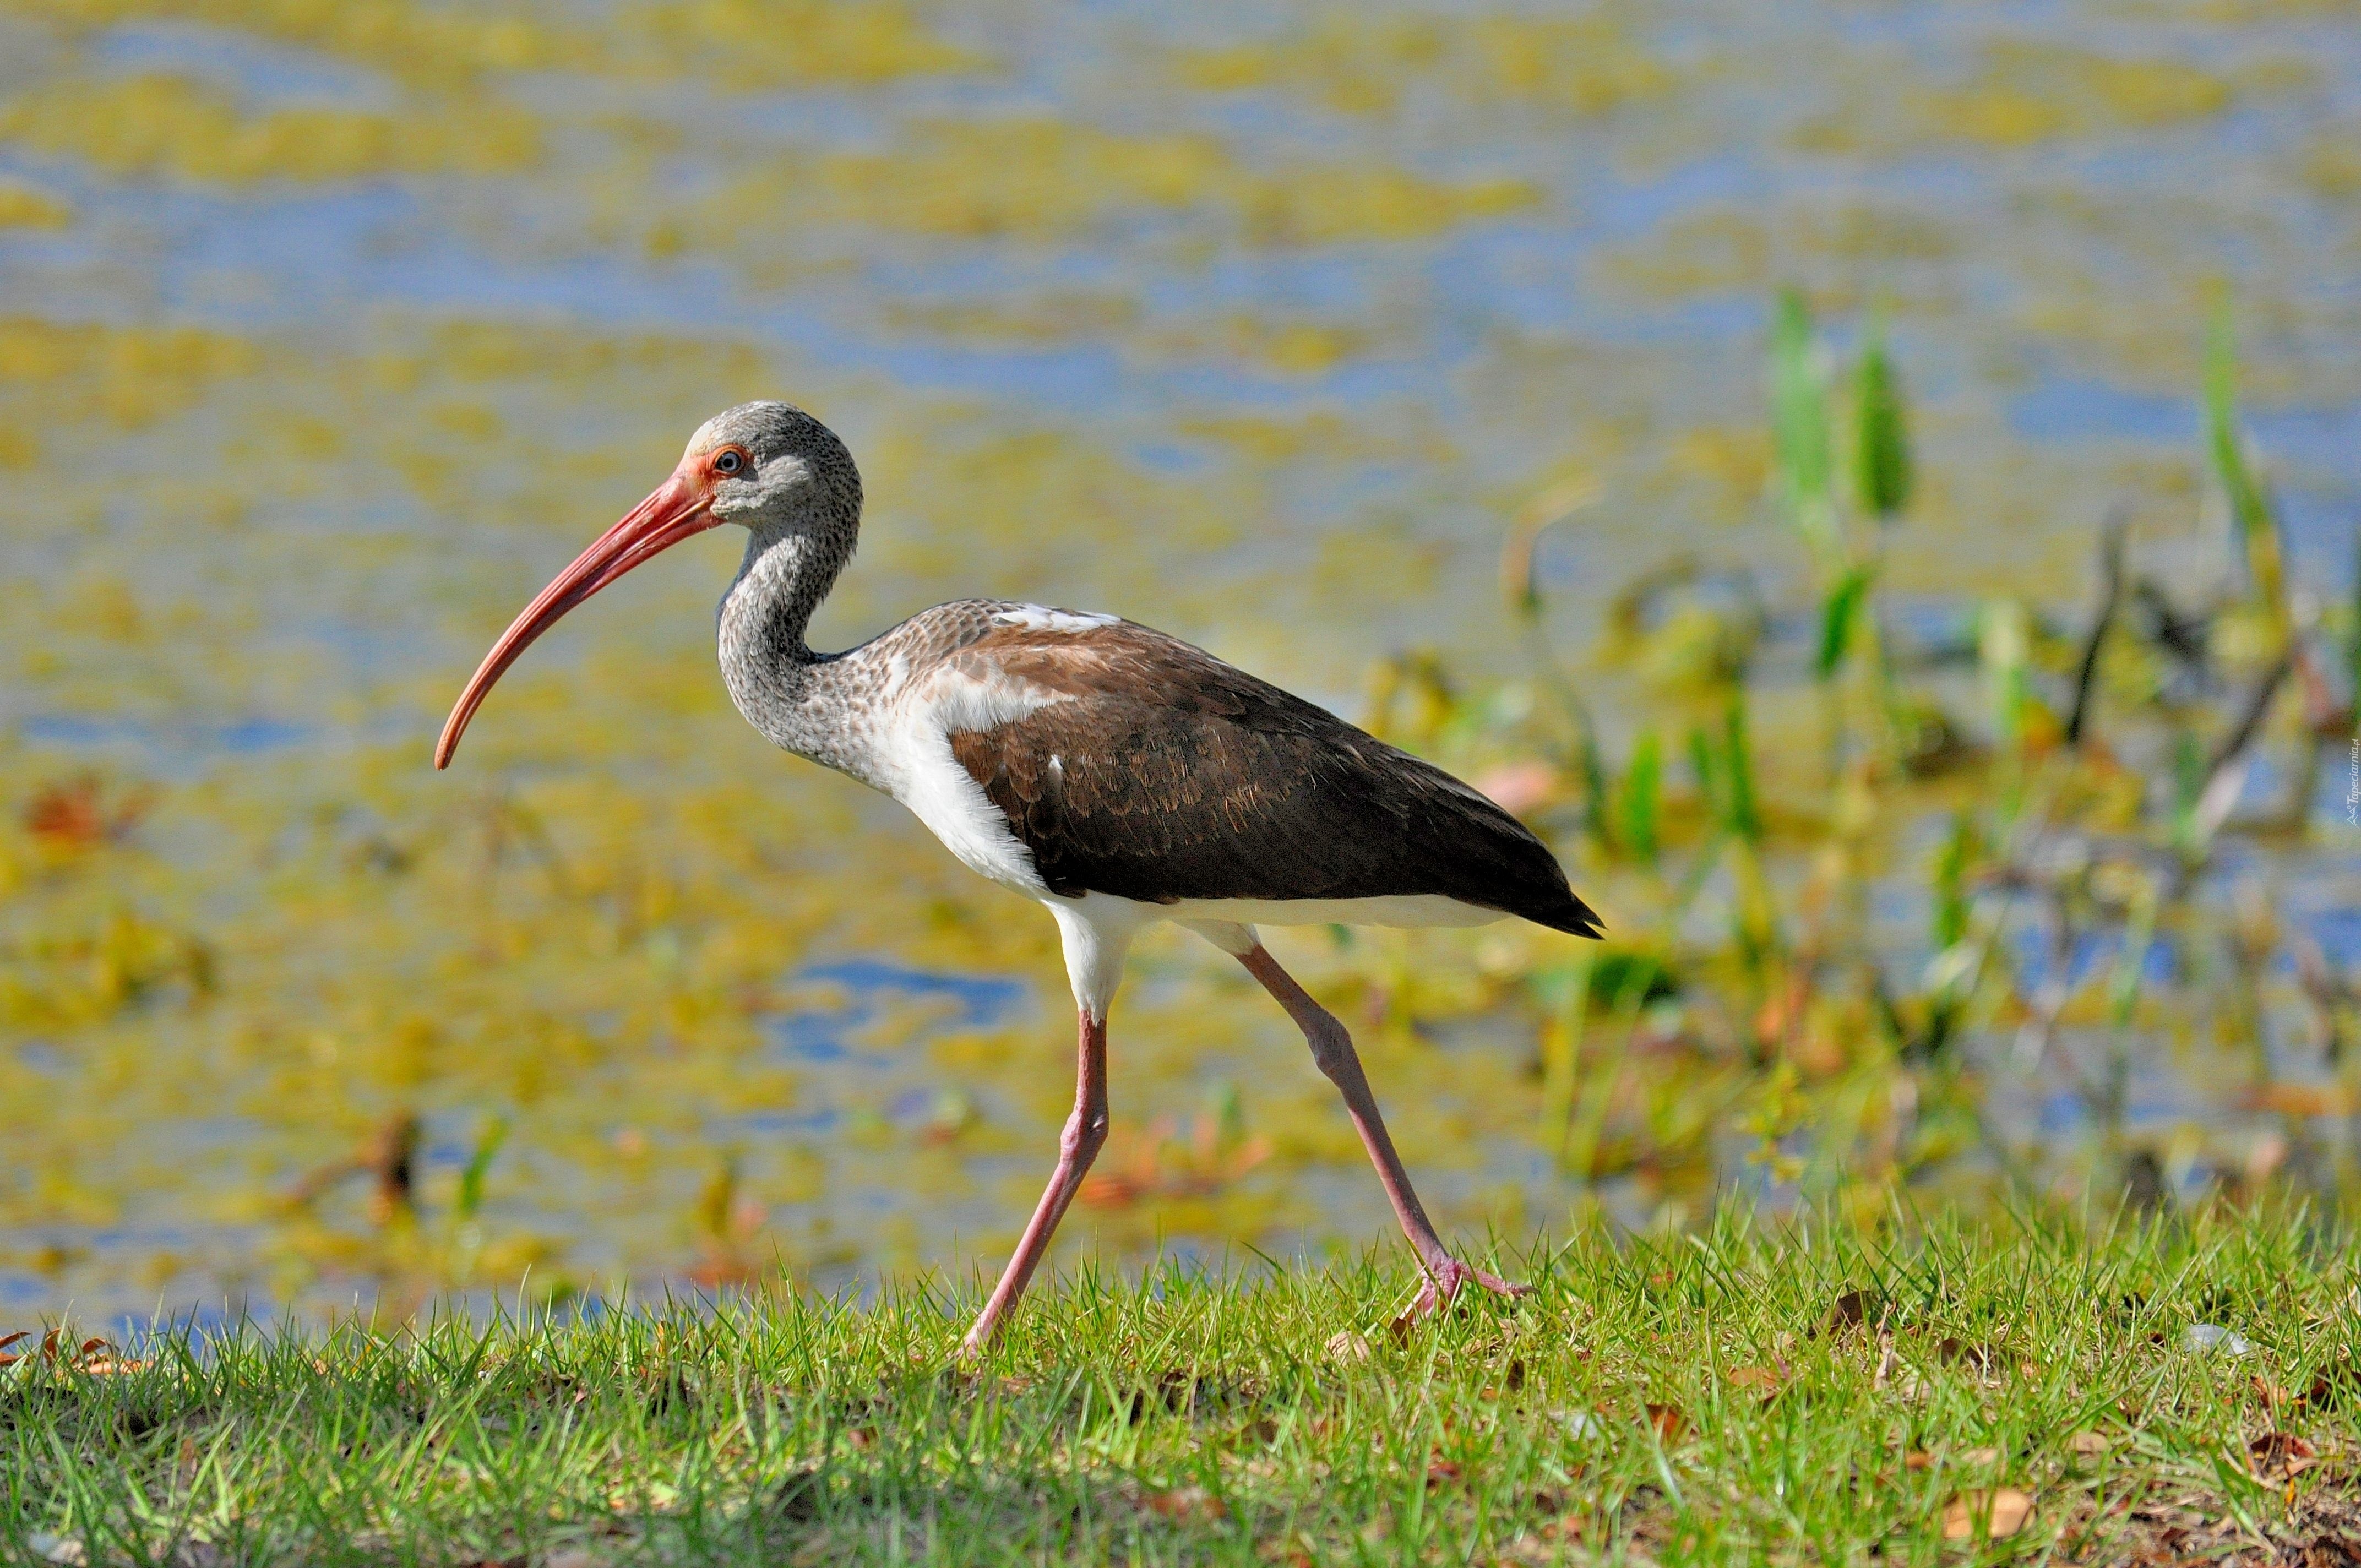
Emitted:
<point x="680" y="506"/>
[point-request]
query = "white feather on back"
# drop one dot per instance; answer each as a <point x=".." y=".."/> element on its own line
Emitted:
<point x="1035" y="617"/>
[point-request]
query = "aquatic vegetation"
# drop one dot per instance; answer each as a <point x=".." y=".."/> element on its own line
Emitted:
<point x="1262" y="330"/>
<point x="739" y="43"/>
<point x="21" y="206"/>
<point x="1364" y="63"/>
<point x="1047" y="178"/>
<point x="169" y="126"/>
<point x="1749" y="885"/>
<point x="2027" y="93"/>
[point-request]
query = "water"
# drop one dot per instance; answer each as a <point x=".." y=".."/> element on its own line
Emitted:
<point x="330" y="335"/>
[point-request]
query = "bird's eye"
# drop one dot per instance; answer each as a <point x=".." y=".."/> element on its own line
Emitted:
<point x="729" y="460"/>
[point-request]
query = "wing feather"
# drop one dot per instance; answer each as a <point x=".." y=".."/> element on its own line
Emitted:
<point x="1161" y="773"/>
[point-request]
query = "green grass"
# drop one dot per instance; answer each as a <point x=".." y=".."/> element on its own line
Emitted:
<point x="1805" y="1392"/>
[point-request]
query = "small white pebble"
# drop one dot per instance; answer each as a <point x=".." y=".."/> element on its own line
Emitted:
<point x="1578" y="1423"/>
<point x="2214" y="1336"/>
<point x="58" y="1549"/>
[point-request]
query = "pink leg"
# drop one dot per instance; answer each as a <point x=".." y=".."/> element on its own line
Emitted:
<point x="1086" y="1130"/>
<point x="1332" y="1050"/>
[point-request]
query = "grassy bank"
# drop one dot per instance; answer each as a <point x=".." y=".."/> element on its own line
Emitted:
<point x="2185" y="1389"/>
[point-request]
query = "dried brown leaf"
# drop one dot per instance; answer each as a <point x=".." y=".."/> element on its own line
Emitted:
<point x="1186" y="1504"/>
<point x="1994" y="1515"/>
<point x="2279" y="1457"/>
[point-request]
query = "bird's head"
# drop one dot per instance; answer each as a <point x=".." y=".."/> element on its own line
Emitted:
<point x="768" y="467"/>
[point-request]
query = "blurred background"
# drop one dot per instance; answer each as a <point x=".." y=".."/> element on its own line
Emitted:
<point x="1875" y="485"/>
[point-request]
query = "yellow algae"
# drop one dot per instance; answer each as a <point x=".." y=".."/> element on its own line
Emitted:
<point x="1584" y="66"/>
<point x="128" y="376"/>
<point x="1289" y="347"/>
<point x="1364" y="64"/>
<point x="1015" y="177"/>
<point x="1035" y="513"/>
<point x="732" y="43"/>
<point x="160" y="124"/>
<point x="1056" y="317"/>
<point x="1317" y="206"/>
<point x="1052" y="179"/>
<point x="22" y="207"/>
<point x="783" y="43"/>
<point x="1717" y="251"/>
<point x="433" y="43"/>
<point x="2027" y="93"/>
<point x="2333" y="167"/>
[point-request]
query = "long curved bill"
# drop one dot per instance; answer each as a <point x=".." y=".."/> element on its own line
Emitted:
<point x="679" y="508"/>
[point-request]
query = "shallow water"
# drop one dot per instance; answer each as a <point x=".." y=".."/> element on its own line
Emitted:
<point x="328" y="333"/>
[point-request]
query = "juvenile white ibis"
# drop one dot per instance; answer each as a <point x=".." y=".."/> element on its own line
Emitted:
<point x="1118" y="775"/>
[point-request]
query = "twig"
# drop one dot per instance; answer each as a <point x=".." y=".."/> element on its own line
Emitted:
<point x="2226" y="774"/>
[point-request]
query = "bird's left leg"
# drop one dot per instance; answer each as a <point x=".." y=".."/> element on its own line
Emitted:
<point x="1332" y="1050"/>
<point x="1086" y="1130"/>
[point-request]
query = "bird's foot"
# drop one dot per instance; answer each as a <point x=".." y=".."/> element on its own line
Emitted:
<point x="1445" y="1277"/>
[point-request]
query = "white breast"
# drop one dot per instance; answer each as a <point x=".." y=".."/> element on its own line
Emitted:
<point x="922" y="773"/>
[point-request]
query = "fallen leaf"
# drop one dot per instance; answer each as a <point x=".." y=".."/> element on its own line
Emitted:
<point x="1443" y="1473"/>
<point x="11" y="1339"/>
<point x="1186" y="1503"/>
<point x="2089" y="1444"/>
<point x="1917" y="1459"/>
<point x="1764" y="1379"/>
<point x="1980" y="1457"/>
<point x="1850" y="1311"/>
<point x="1994" y="1514"/>
<point x="1346" y="1346"/>
<point x="107" y="1366"/>
<point x="1959" y="1350"/>
<point x="1668" y="1422"/>
<point x="2278" y="1457"/>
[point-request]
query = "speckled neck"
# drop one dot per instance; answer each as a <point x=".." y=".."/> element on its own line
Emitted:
<point x="795" y="697"/>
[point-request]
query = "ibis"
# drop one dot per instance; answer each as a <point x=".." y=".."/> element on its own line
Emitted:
<point x="1114" y="775"/>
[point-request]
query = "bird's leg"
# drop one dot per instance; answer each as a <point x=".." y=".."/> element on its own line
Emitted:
<point x="1078" y="1144"/>
<point x="1332" y="1051"/>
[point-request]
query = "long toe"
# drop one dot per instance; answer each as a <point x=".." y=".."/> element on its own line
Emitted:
<point x="1442" y="1288"/>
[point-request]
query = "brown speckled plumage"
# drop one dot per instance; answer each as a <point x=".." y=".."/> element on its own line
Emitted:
<point x="1167" y="774"/>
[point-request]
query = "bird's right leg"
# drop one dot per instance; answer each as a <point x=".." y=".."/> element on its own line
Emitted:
<point x="1086" y="1130"/>
<point x="1332" y="1050"/>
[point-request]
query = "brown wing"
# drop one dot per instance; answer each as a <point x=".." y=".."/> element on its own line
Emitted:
<point x="1167" y="774"/>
